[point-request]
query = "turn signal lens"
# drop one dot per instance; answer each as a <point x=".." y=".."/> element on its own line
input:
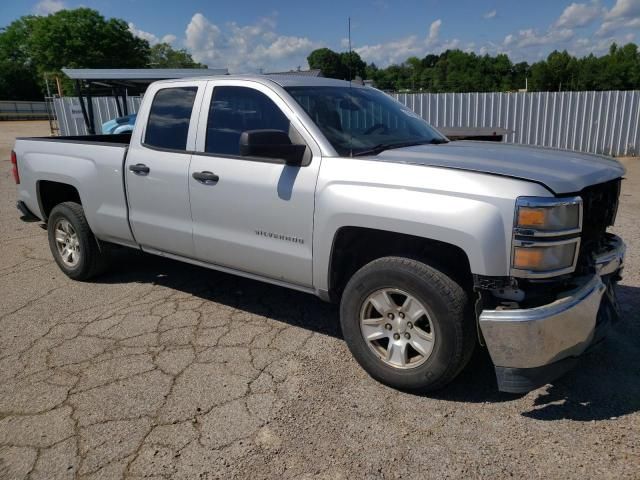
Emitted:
<point x="531" y="217"/>
<point x="527" y="258"/>
<point x="552" y="215"/>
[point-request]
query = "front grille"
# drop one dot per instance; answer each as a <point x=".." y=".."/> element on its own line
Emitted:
<point x="600" y="204"/>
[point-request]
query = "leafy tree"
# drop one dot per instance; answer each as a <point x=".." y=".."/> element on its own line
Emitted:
<point x="81" y="38"/>
<point x="162" y="55"/>
<point x="326" y="60"/>
<point x="558" y="72"/>
<point x="18" y="74"/>
<point x="458" y="71"/>
<point x="343" y="65"/>
<point x="352" y="65"/>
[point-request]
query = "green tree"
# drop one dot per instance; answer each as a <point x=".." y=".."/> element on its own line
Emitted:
<point x="558" y="72"/>
<point x="80" y="38"/>
<point x="18" y="74"/>
<point x="162" y="55"/>
<point x="352" y="64"/>
<point x="326" y="60"/>
<point x="343" y="65"/>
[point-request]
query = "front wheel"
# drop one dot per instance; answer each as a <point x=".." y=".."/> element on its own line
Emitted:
<point x="73" y="245"/>
<point x="407" y="323"/>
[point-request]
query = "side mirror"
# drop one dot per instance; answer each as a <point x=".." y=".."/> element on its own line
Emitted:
<point x="271" y="144"/>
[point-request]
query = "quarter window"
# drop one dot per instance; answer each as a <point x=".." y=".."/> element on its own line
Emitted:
<point x="168" y="123"/>
<point x="234" y="110"/>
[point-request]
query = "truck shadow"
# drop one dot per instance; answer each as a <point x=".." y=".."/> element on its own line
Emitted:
<point x="281" y="304"/>
<point x="605" y="385"/>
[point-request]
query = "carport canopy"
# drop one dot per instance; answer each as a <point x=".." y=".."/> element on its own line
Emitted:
<point x="121" y="82"/>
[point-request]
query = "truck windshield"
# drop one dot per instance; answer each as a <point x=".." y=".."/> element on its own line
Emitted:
<point x="363" y="121"/>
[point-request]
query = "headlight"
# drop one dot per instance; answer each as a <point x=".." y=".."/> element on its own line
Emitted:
<point x="546" y="237"/>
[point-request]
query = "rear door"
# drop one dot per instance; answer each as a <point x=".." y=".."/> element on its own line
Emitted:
<point x="257" y="214"/>
<point x="158" y="167"/>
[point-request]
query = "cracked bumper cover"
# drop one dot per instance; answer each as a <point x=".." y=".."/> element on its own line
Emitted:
<point x="531" y="347"/>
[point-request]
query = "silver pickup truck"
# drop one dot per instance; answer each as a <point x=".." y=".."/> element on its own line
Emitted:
<point x="431" y="247"/>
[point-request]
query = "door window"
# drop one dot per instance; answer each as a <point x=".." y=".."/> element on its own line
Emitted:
<point x="168" y="123"/>
<point x="234" y="110"/>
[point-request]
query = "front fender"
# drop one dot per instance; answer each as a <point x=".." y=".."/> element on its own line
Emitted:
<point x="471" y="211"/>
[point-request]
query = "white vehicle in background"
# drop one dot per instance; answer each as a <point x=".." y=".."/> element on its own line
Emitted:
<point x="431" y="247"/>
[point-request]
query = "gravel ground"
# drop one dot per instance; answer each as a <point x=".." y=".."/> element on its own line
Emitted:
<point x="161" y="369"/>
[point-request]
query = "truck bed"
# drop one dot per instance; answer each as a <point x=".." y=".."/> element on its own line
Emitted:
<point x="92" y="164"/>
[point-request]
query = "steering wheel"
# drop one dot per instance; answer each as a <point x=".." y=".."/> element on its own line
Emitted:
<point x="376" y="127"/>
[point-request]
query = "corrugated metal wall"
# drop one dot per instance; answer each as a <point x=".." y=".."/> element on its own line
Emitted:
<point x="70" y="118"/>
<point x="18" y="110"/>
<point x="595" y="122"/>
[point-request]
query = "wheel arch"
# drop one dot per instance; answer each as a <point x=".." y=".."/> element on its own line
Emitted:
<point x="354" y="246"/>
<point x="51" y="193"/>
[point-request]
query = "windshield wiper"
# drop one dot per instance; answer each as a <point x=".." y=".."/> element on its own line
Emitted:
<point x="381" y="147"/>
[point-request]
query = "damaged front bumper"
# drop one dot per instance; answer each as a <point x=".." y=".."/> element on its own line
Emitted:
<point x="531" y="347"/>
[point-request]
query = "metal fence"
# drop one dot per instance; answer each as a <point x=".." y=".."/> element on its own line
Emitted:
<point x="595" y="122"/>
<point x="22" y="110"/>
<point x="71" y="121"/>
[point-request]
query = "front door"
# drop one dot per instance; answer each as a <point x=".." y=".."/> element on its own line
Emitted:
<point x="251" y="214"/>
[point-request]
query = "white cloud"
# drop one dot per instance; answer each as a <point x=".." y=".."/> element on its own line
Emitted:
<point x="579" y="15"/>
<point x="627" y="9"/>
<point x="45" y="7"/>
<point x="490" y="14"/>
<point x="624" y="15"/>
<point x="245" y="48"/>
<point x="531" y="38"/>
<point x="397" y="51"/>
<point x="169" y="38"/>
<point x="434" y="32"/>
<point x="150" y="37"/>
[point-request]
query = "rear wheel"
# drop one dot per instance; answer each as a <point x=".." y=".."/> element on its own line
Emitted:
<point x="407" y="323"/>
<point x="73" y="245"/>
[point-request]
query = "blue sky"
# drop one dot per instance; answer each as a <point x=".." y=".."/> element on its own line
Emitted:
<point x="248" y="35"/>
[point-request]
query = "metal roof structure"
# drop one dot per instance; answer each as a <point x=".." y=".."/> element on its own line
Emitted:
<point x="139" y="75"/>
<point x="122" y="82"/>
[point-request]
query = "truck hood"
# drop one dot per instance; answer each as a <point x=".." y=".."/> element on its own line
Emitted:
<point x="561" y="171"/>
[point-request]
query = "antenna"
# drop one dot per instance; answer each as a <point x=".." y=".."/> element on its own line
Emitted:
<point x="350" y="129"/>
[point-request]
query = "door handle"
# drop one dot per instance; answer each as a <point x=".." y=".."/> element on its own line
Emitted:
<point x="208" y="178"/>
<point x="139" y="169"/>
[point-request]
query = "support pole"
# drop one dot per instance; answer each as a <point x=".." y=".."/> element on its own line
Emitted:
<point x="92" y="125"/>
<point x="83" y="106"/>
<point x="115" y="94"/>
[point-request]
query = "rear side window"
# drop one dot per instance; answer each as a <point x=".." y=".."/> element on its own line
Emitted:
<point x="168" y="123"/>
<point x="234" y="110"/>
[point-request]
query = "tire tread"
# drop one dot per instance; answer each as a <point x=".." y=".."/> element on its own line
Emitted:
<point x="95" y="258"/>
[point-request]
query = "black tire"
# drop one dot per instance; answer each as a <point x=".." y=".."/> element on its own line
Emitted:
<point x="448" y="308"/>
<point x="92" y="258"/>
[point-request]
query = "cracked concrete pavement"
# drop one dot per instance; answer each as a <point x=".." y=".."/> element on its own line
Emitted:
<point x="165" y="370"/>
